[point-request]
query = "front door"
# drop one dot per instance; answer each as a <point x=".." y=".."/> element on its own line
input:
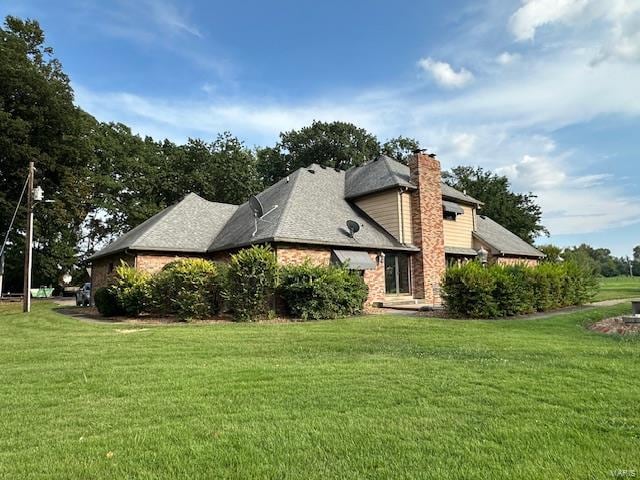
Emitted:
<point x="396" y="274"/>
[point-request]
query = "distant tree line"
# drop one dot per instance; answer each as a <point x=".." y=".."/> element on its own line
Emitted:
<point x="104" y="180"/>
<point x="599" y="259"/>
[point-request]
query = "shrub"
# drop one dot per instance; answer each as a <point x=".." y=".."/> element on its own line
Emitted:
<point x="316" y="292"/>
<point x="474" y="291"/>
<point x="188" y="288"/>
<point x="107" y="302"/>
<point x="468" y="291"/>
<point x="251" y="282"/>
<point x="132" y="290"/>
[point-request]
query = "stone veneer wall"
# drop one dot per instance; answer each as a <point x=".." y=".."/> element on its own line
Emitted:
<point x="428" y="266"/>
<point x="295" y="255"/>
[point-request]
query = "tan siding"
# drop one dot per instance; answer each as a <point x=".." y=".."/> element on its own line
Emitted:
<point x="405" y="209"/>
<point x="460" y="232"/>
<point x="384" y="209"/>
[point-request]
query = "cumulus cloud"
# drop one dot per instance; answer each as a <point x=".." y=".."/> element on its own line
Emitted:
<point x="444" y="74"/>
<point x="536" y="13"/>
<point x="463" y="143"/>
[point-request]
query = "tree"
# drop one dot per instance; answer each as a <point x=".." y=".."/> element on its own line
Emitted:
<point x="606" y="264"/>
<point x="337" y="145"/>
<point x="517" y="212"/>
<point x="399" y="148"/>
<point x="552" y="253"/>
<point x="38" y="122"/>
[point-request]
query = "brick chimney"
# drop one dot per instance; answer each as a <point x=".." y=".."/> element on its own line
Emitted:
<point x="428" y="265"/>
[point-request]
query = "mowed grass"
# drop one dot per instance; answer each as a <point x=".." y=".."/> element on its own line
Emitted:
<point x="368" y="397"/>
<point x="619" y="287"/>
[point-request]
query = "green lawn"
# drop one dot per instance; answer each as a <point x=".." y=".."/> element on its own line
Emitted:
<point x="619" y="287"/>
<point x="369" y="397"/>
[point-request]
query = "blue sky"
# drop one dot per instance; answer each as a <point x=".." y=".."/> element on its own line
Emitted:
<point x="544" y="91"/>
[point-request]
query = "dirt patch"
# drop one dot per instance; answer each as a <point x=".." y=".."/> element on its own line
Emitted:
<point x="615" y="326"/>
<point x="130" y="330"/>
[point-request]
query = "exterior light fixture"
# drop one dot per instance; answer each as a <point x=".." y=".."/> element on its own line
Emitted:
<point x="380" y="258"/>
<point x="483" y="256"/>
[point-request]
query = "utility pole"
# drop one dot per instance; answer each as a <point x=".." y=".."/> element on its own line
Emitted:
<point x="26" y="291"/>
<point x="1" y="272"/>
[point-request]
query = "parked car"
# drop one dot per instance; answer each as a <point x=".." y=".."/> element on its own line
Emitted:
<point x="83" y="296"/>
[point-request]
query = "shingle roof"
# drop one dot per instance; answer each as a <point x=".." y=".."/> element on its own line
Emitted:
<point x="501" y="240"/>
<point x="375" y="176"/>
<point x="384" y="173"/>
<point x="311" y="209"/>
<point x="188" y="226"/>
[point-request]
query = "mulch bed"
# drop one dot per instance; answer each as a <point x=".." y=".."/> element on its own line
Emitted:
<point x="615" y="326"/>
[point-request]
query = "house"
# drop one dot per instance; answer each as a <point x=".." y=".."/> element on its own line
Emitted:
<point x="410" y="225"/>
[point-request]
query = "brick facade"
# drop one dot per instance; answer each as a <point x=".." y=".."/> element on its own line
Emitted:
<point x="530" y="262"/>
<point x="153" y="263"/>
<point x="102" y="269"/>
<point x="296" y="254"/>
<point x="428" y="266"/>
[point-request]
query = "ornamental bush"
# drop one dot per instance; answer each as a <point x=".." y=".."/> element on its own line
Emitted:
<point x="132" y="290"/>
<point x="252" y="279"/>
<point x="318" y="292"/>
<point x="474" y="291"/>
<point x="106" y="302"/>
<point x="188" y="288"/>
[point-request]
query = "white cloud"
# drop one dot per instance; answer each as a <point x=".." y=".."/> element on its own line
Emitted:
<point x="537" y="172"/>
<point x="463" y="143"/>
<point x="505" y="58"/>
<point x="624" y="41"/>
<point x="536" y="13"/>
<point x="444" y="74"/>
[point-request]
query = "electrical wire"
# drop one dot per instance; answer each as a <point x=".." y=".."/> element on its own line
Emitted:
<point x="15" y="214"/>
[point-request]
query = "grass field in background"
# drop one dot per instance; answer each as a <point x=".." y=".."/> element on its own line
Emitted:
<point x="367" y="397"/>
<point x="619" y="287"/>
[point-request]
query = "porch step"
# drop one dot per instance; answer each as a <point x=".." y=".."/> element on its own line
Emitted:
<point x="410" y="304"/>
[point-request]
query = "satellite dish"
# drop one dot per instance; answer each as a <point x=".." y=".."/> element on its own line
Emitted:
<point x="256" y="206"/>
<point x="353" y="227"/>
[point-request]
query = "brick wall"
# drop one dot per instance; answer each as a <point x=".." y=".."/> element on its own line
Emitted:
<point x="428" y="266"/>
<point x="296" y="254"/>
<point x="530" y="262"/>
<point x="102" y="269"/>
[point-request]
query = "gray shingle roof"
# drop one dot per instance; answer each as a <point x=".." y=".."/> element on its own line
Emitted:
<point x="377" y="175"/>
<point x="501" y="240"/>
<point x="188" y="226"/>
<point x="311" y="209"/>
<point x="384" y="173"/>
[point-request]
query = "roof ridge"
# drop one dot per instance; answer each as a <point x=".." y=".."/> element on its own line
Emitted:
<point x="286" y="207"/>
<point x="165" y="213"/>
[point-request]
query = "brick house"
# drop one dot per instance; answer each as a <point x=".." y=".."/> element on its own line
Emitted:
<point x="411" y="225"/>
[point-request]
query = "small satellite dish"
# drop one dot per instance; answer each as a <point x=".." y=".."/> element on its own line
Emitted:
<point x="256" y="206"/>
<point x="353" y="227"/>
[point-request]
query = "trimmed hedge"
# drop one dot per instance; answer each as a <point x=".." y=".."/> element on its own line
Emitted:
<point x="106" y="302"/>
<point x="472" y="290"/>
<point x="317" y="292"/>
<point x="252" y="278"/>
<point x="188" y="288"/>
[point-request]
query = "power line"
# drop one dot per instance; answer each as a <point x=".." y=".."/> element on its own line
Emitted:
<point x="6" y="237"/>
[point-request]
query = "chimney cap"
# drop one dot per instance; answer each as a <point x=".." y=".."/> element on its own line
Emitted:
<point x="419" y="150"/>
<point x="432" y="155"/>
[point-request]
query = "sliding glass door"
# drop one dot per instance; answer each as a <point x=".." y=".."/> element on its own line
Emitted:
<point x="397" y="276"/>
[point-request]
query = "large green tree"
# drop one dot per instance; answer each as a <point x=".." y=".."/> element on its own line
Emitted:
<point x="516" y="211"/>
<point x="38" y="122"/>
<point x="337" y="145"/>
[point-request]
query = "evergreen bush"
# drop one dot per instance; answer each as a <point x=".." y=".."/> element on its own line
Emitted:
<point x="252" y="278"/>
<point x="317" y="292"/>
<point x="132" y="290"/>
<point x="188" y="288"/>
<point x="106" y="302"/>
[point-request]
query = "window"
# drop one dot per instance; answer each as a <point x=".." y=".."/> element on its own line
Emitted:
<point x="110" y="268"/>
<point x="452" y="216"/>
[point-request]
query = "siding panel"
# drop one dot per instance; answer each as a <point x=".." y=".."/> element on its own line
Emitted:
<point x="460" y="232"/>
<point x="384" y="209"/>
